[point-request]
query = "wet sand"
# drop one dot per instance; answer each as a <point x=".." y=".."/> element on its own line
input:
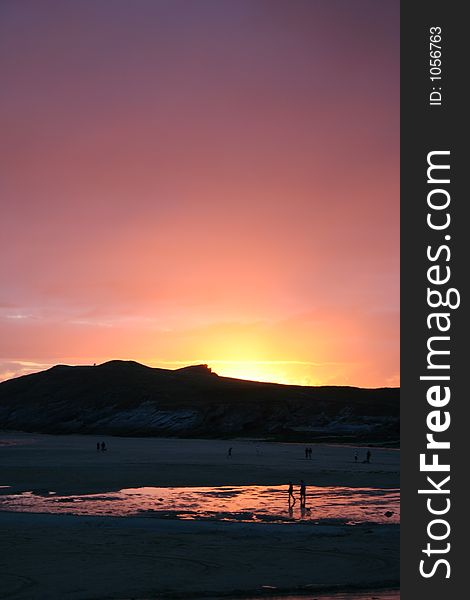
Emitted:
<point x="55" y="556"/>
<point x="364" y="595"/>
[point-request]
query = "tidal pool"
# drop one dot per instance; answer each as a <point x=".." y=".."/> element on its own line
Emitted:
<point x="228" y="503"/>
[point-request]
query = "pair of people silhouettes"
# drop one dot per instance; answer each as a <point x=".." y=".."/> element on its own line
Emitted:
<point x="303" y="494"/>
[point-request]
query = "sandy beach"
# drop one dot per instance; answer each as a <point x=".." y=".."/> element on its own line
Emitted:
<point x="83" y="557"/>
<point x="70" y="464"/>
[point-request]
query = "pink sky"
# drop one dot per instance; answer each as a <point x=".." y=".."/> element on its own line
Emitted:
<point x="208" y="181"/>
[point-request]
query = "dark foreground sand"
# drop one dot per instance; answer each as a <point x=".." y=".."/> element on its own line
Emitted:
<point x="60" y="556"/>
<point x="83" y="558"/>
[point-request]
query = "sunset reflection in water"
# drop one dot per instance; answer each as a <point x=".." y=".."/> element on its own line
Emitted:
<point x="237" y="503"/>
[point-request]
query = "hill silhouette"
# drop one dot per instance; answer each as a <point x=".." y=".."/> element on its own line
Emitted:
<point x="128" y="398"/>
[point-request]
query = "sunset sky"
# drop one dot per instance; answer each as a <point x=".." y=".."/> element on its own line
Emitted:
<point x="188" y="181"/>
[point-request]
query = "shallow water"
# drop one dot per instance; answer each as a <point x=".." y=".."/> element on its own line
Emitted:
<point x="228" y="503"/>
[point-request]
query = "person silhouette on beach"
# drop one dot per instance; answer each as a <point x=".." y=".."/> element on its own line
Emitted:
<point x="355" y="457"/>
<point x="291" y="495"/>
<point x="310" y="451"/>
<point x="103" y="447"/>
<point x="229" y="453"/>
<point x="97" y="446"/>
<point x="368" y="456"/>
<point x="303" y="493"/>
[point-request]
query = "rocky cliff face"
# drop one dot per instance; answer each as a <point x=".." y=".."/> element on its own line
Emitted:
<point x="128" y="398"/>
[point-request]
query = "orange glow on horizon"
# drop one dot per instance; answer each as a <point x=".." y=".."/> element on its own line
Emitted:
<point x="284" y="372"/>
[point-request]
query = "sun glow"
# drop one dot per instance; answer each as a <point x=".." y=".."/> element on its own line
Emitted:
<point x="270" y="371"/>
<point x="240" y="352"/>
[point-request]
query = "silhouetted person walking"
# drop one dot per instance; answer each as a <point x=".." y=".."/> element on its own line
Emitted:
<point x="229" y="453"/>
<point x="291" y="494"/>
<point x="303" y="493"/>
<point x="368" y="456"/>
<point x="355" y="457"/>
<point x="103" y="447"/>
<point x="97" y="446"/>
